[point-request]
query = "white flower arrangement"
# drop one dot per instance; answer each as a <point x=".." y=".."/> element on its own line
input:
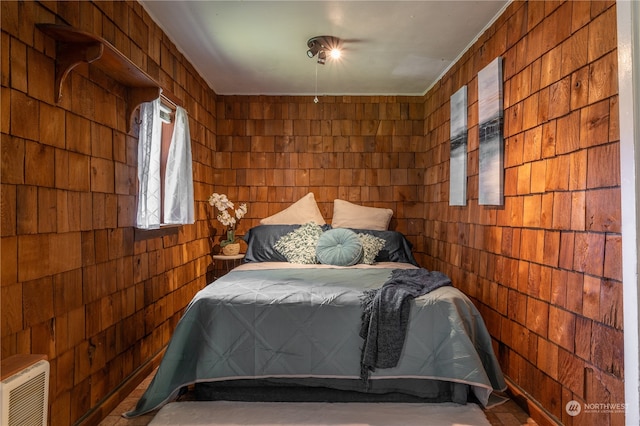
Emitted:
<point x="227" y="215"/>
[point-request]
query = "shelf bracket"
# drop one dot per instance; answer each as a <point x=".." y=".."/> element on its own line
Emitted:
<point x="67" y="58"/>
<point x="74" y="47"/>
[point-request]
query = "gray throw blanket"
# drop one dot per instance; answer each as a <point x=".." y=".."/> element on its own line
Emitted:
<point x="385" y="315"/>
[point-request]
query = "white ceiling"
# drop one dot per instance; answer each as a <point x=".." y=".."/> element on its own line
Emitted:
<point x="259" y="47"/>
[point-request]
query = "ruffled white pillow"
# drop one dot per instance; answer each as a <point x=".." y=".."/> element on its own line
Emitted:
<point x="371" y="246"/>
<point x="299" y="246"/>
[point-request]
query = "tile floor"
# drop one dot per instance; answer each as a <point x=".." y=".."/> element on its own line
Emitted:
<point x="507" y="414"/>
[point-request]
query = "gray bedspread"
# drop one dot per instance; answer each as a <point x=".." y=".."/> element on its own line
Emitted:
<point x="385" y="315"/>
<point x="305" y="323"/>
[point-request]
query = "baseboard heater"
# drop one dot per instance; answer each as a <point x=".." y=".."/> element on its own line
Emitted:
<point x="24" y="391"/>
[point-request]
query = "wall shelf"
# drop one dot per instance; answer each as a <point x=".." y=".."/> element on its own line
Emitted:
<point x="74" y="46"/>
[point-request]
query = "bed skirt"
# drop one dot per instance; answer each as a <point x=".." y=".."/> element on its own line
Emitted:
<point x="334" y="390"/>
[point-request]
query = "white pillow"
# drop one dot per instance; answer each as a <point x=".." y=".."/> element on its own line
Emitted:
<point x="299" y="246"/>
<point x="371" y="245"/>
<point x="349" y="215"/>
<point x="303" y="211"/>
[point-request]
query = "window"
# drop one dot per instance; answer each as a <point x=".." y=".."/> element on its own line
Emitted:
<point x="165" y="177"/>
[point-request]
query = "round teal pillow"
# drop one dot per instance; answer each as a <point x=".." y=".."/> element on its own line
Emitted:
<point x="339" y="247"/>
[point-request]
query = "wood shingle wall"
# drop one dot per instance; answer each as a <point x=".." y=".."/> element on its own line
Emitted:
<point x="271" y="151"/>
<point x="80" y="285"/>
<point x="546" y="267"/>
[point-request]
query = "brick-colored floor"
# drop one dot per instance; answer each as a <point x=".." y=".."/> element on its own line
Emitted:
<point x="507" y="414"/>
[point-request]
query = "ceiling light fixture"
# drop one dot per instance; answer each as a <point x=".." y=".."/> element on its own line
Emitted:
<point x="320" y="45"/>
<point x="313" y="48"/>
<point x="322" y="57"/>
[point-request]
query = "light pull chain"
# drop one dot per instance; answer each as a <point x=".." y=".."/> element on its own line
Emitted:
<point x="315" y="100"/>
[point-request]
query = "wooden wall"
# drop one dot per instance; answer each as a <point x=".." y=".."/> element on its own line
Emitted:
<point x="545" y="269"/>
<point x="271" y="151"/>
<point x="78" y="284"/>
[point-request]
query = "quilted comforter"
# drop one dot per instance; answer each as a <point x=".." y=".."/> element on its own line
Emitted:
<point x="279" y="320"/>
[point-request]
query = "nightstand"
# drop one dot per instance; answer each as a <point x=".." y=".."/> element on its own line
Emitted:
<point x="229" y="262"/>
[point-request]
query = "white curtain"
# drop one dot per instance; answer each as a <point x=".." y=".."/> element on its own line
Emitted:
<point x="178" y="199"/>
<point x="178" y="179"/>
<point x="149" y="150"/>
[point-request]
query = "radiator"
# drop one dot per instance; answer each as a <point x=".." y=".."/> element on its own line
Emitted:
<point x="25" y="396"/>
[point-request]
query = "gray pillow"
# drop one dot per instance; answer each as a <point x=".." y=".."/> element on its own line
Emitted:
<point x="261" y="239"/>
<point x="396" y="249"/>
<point x="371" y="246"/>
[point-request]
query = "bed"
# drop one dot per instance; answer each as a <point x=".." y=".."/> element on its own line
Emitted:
<point x="273" y="322"/>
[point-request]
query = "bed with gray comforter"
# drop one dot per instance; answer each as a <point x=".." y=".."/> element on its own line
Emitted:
<point x="301" y="324"/>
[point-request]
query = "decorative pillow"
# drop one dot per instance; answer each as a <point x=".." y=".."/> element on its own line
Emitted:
<point x="261" y="239"/>
<point x="349" y="215"/>
<point x="371" y="246"/>
<point x="299" y="246"/>
<point x="304" y="210"/>
<point x="340" y="247"/>
<point x="396" y="249"/>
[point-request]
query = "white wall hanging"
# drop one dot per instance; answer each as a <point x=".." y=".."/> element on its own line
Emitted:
<point x="458" y="150"/>
<point x="490" y="118"/>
